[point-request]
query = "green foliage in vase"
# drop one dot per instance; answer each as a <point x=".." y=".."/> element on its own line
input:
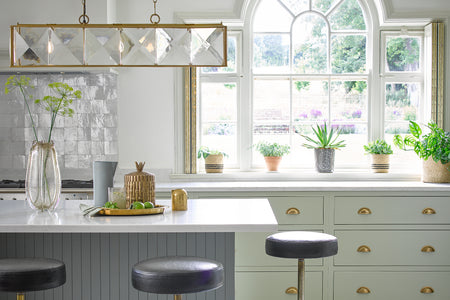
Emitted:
<point x="324" y="137"/>
<point x="56" y="104"/>
<point x="378" y="147"/>
<point x="435" y="144"/>
<point x="272" y="149"/>
<point x="204" y="152"/>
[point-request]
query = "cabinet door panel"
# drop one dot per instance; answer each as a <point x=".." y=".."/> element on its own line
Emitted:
<point x="393" y="248"/>
<point x="298" y="210"/>
<point x="391" y="285"/>
<point x="392" y="210"/>
<point x="273" y="285"/>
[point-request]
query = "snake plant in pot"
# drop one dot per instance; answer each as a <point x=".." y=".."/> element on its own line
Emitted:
<point x="433" y="148"/>
<point x="324" y="142"/>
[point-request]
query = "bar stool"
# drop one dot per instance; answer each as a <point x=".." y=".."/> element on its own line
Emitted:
<point x="21" y="275"/>
<point x="301" y="245"/>
<point x="177" y="275"/>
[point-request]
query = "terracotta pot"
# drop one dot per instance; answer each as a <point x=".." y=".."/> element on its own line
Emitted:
<point x="435" y="172"/>
<point x="272" y="162"/>
<point x="380" y="163"/>
<point x="214" y="163"/>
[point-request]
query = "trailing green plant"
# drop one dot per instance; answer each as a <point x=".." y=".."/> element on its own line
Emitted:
<point x="58" y="104"/>
<point x="204" y="152"/>
<point x="435" y="144"/>
<point x="378" y="147"/>
<point x="324" y="137"/>
<point x="272" y="149"/>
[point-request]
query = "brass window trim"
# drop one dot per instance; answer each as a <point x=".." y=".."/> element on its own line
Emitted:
<point x="190" y="120"/>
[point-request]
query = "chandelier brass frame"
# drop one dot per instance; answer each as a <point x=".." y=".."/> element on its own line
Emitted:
<point x="118" y="45"/>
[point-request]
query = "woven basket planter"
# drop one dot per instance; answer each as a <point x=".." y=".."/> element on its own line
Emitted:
<point x="214" y="163"/>
<point x="435" y="172"/>
<point x="380" y="163"/>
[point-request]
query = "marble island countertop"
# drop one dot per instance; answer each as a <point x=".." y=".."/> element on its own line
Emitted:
<point x="203" y="215"/>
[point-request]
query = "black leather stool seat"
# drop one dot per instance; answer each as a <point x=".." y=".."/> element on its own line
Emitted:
<point x="301" y="244"/>
<point x="177" y="275"/>
<point x="31" y="274"/>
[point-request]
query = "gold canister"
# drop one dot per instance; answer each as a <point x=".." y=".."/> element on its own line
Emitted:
<point x="179" y="199"/>
<point x="139" y="186"/>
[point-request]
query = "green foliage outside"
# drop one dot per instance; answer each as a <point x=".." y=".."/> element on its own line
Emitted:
<point x="272" y="149"/>
<point x="324" y="137"/>
<point x="378" y="147"/>
<point x="204" y="152"/>
<point x="435" y="144"/>
<point x="300" y="85"/>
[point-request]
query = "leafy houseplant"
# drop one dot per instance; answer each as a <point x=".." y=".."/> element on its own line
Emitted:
<point x="380" y="151"/>
<point x="213" y="159"/>
<point x="43" y="179"/>
<point x="273" y="153"/>
<point x="324" y="142"/>
<point x="434" y="145"/>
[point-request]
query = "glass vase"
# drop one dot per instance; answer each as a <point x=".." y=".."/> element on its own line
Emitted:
<point x="43" y="178"/>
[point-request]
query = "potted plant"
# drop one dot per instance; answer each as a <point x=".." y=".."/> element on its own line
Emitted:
<point x="213" y="159"/>
<point x="273" y="153"/>
<point x="324" y="142"/>
<point x="433" y="148"/>
<point x="380" y="151"/>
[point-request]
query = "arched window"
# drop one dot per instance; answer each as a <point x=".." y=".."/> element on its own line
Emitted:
<point x="309" y="67"/>
<point x="300" y="63"/>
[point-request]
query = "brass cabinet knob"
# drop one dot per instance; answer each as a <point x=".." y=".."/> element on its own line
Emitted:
<point x="363" y="290"/>
<point x="428" y="211"/>
<point x="292" y="211"/>
<point x="364" y="211"/>
<point x="428" y="249"/>
<point x="427" y="290"/>
<point x="364" y="249"/>
<point x="291" y="290"/>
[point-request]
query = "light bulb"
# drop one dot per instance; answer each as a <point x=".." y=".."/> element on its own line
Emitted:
<point x="50" y="47"/>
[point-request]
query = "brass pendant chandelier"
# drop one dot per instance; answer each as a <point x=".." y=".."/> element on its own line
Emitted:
<point x="118" y="45"/>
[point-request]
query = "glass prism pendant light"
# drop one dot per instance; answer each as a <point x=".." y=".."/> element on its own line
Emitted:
<point x="118" y="45"/>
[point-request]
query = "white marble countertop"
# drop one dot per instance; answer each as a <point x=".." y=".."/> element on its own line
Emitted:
<point x="203" y="215"/>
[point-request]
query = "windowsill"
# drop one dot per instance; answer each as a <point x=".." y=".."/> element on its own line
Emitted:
<point x="299" y="175"/>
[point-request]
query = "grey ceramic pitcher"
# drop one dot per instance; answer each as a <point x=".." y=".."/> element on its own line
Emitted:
<point x="103" y="178"/>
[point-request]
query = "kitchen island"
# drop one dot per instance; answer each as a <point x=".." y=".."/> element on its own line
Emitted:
<point x="99" y="251"/>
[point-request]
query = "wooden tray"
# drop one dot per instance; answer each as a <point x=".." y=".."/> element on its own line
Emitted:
<point x="158" y="209"/>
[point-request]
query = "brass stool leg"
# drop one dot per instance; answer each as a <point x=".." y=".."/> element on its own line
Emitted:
<point x="301" y="279"/>
<point x="20" y="296"/>
<point x="176" y="297"/>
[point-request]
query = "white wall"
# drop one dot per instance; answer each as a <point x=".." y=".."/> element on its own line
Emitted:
<point x="147" y="96"/>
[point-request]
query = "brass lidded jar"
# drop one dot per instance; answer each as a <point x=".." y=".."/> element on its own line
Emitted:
<point x="139" y="186"/>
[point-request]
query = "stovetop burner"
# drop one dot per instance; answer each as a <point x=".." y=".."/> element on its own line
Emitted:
<point x="66" y="184"/>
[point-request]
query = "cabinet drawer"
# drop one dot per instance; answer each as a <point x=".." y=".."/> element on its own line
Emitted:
<point x="391" y="285"/>
<point x="273" y="285"/>
<point x="251" y="252"/>
<point x="392" y="210"/>
<point x="391" y="248"/>
<point x="298" y="210"/>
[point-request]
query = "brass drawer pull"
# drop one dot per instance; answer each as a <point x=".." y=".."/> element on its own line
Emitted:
<point x="363" y="290"/>
<point x="427" y="290"/>
<point x="291" y="291"/>
<point x="428" y="249"/>
<point x="364" y="249"/>
<point x="292" y="211"/>
<point x="429" y="211"/>
<point x="364" y="211"/>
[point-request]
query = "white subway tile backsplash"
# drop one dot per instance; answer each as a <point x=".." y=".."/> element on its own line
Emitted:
<point x="91" y="134"/>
